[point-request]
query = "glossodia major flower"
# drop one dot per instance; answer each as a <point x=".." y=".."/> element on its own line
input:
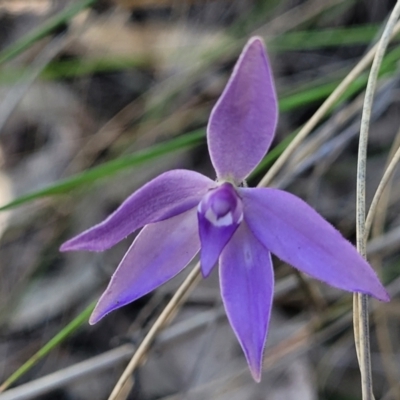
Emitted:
<point x="183" y="212"/>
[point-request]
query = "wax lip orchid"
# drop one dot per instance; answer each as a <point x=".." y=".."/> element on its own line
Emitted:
<point x="183" y="212"/>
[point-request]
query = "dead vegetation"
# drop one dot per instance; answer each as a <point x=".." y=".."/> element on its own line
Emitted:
<point x="119" y="77"/>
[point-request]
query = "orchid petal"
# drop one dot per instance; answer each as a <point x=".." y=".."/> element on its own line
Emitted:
<point x="247" y="284"/>
<point x="220" y="212"/>
<point x="159" y="252"/>
<point x="242" y="123"/>
<point x="167" y="195"/>
<point x="292" y="230"/>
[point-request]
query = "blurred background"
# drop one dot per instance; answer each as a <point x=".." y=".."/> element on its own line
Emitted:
<point x="99" y="97"/>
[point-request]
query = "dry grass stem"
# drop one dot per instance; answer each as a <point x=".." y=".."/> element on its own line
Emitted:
<point x="322" y="149"/>
<point x="380" y="191"/>
<point x="322" y="110"/>
<point x="378" y="217"/>
<point x="386" y="243"/>
<point x="18" y="91"/>
<point x="361" y="317"/>
<point x="180" y="296"/>
<point x="48" y="53"/>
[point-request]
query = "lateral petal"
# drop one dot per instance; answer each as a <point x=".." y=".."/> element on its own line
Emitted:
<point x="247" y="284"/>
<point x="298" y="235"/>
<point x="170" y="194"/>
<point x="243" y="121"/>
<point x="159" y="252"/>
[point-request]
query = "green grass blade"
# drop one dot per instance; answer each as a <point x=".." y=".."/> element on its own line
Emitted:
<point x="320" y="91"/>
<point x="44" y="29"/>
<point x="112" y="167"/>
<point x="322" y="38"/>
<point x="74" y="68"/>
<point x="299" y="41"/>
<point x="49" y="346"/>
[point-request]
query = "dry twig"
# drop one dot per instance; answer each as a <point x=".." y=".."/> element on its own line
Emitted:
<point x="361" y="317"/>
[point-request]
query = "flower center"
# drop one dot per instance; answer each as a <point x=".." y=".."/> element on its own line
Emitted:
<point x="222" y="206"/>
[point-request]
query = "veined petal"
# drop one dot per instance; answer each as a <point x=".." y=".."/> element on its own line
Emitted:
<point x="159" y="252"/>
<point x="247" y="285"/>
<point x="220" y="212"/>
<point x="297" y="234"/>
<point x="171" y="193"/>
<point x="242" y="123"/>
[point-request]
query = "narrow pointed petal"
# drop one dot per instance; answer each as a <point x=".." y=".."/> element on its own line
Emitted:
<point x="220" y="212"/>
<point x="159" y="252"/>
<point x="242" y="123"/>
<point x="247" y="285"/>
<point x="167" y="195"/>
<point x="297" y="234"/>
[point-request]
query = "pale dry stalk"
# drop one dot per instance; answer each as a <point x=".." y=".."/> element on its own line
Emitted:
<point x="361" y="315"/>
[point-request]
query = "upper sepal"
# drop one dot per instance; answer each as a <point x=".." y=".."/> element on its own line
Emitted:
<point x="169" y="194"/>
<point x="242" y="123"/>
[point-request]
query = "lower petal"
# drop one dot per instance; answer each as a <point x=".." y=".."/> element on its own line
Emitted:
<point x="247" y="283"/>
<point x="159" y="252"/>
<point x="298" y="235"/>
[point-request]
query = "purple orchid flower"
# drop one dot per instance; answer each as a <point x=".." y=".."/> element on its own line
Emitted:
<point x="183" y="212"/>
